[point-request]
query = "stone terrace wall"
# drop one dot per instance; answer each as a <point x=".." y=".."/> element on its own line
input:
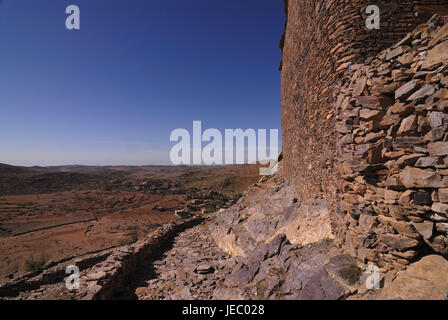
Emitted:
<point x="104" y="280"/>
<point x="102" y="273"/>
<point x="322" y="40"/>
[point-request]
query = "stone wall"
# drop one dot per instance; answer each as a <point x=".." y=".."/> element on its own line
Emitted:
<point x="324" y="42"/>
<point x="102" y="282"/>
<point x="102" y="273"/>
<point x="53" y="273"/>
<point x="392" y="150"/>
<point x="322" y="38"/>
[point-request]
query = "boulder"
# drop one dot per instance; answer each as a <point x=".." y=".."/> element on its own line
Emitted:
<point x="359" y="88"/>
<point x="438" y="149"/>
<point x="424" y="92"/>
<point x="394" y="53"/>
<point x="423" y="280"/>
<point x="322" y="287"/>
<point x="418" y="178"/>
<point x="407" y="58"/>
<point x="440" y="208"/>
<point x="439" y="36"/>
<point x="408" y="125"/>
<point x="95" y="276"/>
<point x="435" y="134"/>
<point x="374" y="102"/>
<point x="425" y="229"/>
<point x="443" y="195"/>
<point x="402" y="227"/>
<point x="389" y="120"/>
<point x="436" y="55"/>
<point x="436" y="119"/>
<point x="367" y="223"/>
<point x="374" y="136"/>
<point x="406" y="90"/>
<point x="398" y="242"/>
<point x="442" y="227"/>
<point x="402" y="109"/>
<point x="230" y="294"/>
<point x="406" y="142"/>
<point x="407" y="197"/>
<point x="368" y="114"/>
<point x="427" y="162"/>
<point x="440" y="245"/>
<point x="205" y="269"/>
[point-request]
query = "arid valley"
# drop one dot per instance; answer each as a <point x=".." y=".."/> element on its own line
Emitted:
<point x="49" y="214"/>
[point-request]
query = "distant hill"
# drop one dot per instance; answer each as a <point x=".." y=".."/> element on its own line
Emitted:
<point x="6" y="169"/>
<point x="41" y="180"/>
<point x="93" y="169"/>
<point x="38" y="180"/>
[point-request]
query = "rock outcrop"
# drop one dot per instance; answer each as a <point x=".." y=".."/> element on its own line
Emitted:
<point x="266" y="211"/>
<point x="424" y="280"/>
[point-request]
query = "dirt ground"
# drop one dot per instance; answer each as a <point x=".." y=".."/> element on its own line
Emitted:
<point x="100" y="207"/>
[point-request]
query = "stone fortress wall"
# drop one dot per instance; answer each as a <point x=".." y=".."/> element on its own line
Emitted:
<point x="343" y="122"/>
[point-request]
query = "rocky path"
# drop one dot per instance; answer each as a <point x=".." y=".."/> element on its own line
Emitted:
<point x="192" y="267"/>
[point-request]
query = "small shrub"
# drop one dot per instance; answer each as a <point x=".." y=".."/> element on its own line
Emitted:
<point x="350" y="273"/>
<point x="32" y="265"/>
<point x="130" y="239"/>
<point x="133" y="228"/>
<point x="125" y="242"/>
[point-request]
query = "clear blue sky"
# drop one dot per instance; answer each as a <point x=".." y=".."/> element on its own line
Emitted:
<point x="112" y="92"/>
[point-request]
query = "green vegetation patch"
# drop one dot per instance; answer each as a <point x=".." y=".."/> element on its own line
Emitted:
<point x="130" y="239"/>
<point x="32" y="265"/>
<point x="350" y="272"/>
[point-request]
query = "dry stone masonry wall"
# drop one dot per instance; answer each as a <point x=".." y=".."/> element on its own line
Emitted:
<point x="102" y="274"/>
<point x="328" y="48"/>
<point x="393" y="150"/>
<point x="322" y="39"/>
